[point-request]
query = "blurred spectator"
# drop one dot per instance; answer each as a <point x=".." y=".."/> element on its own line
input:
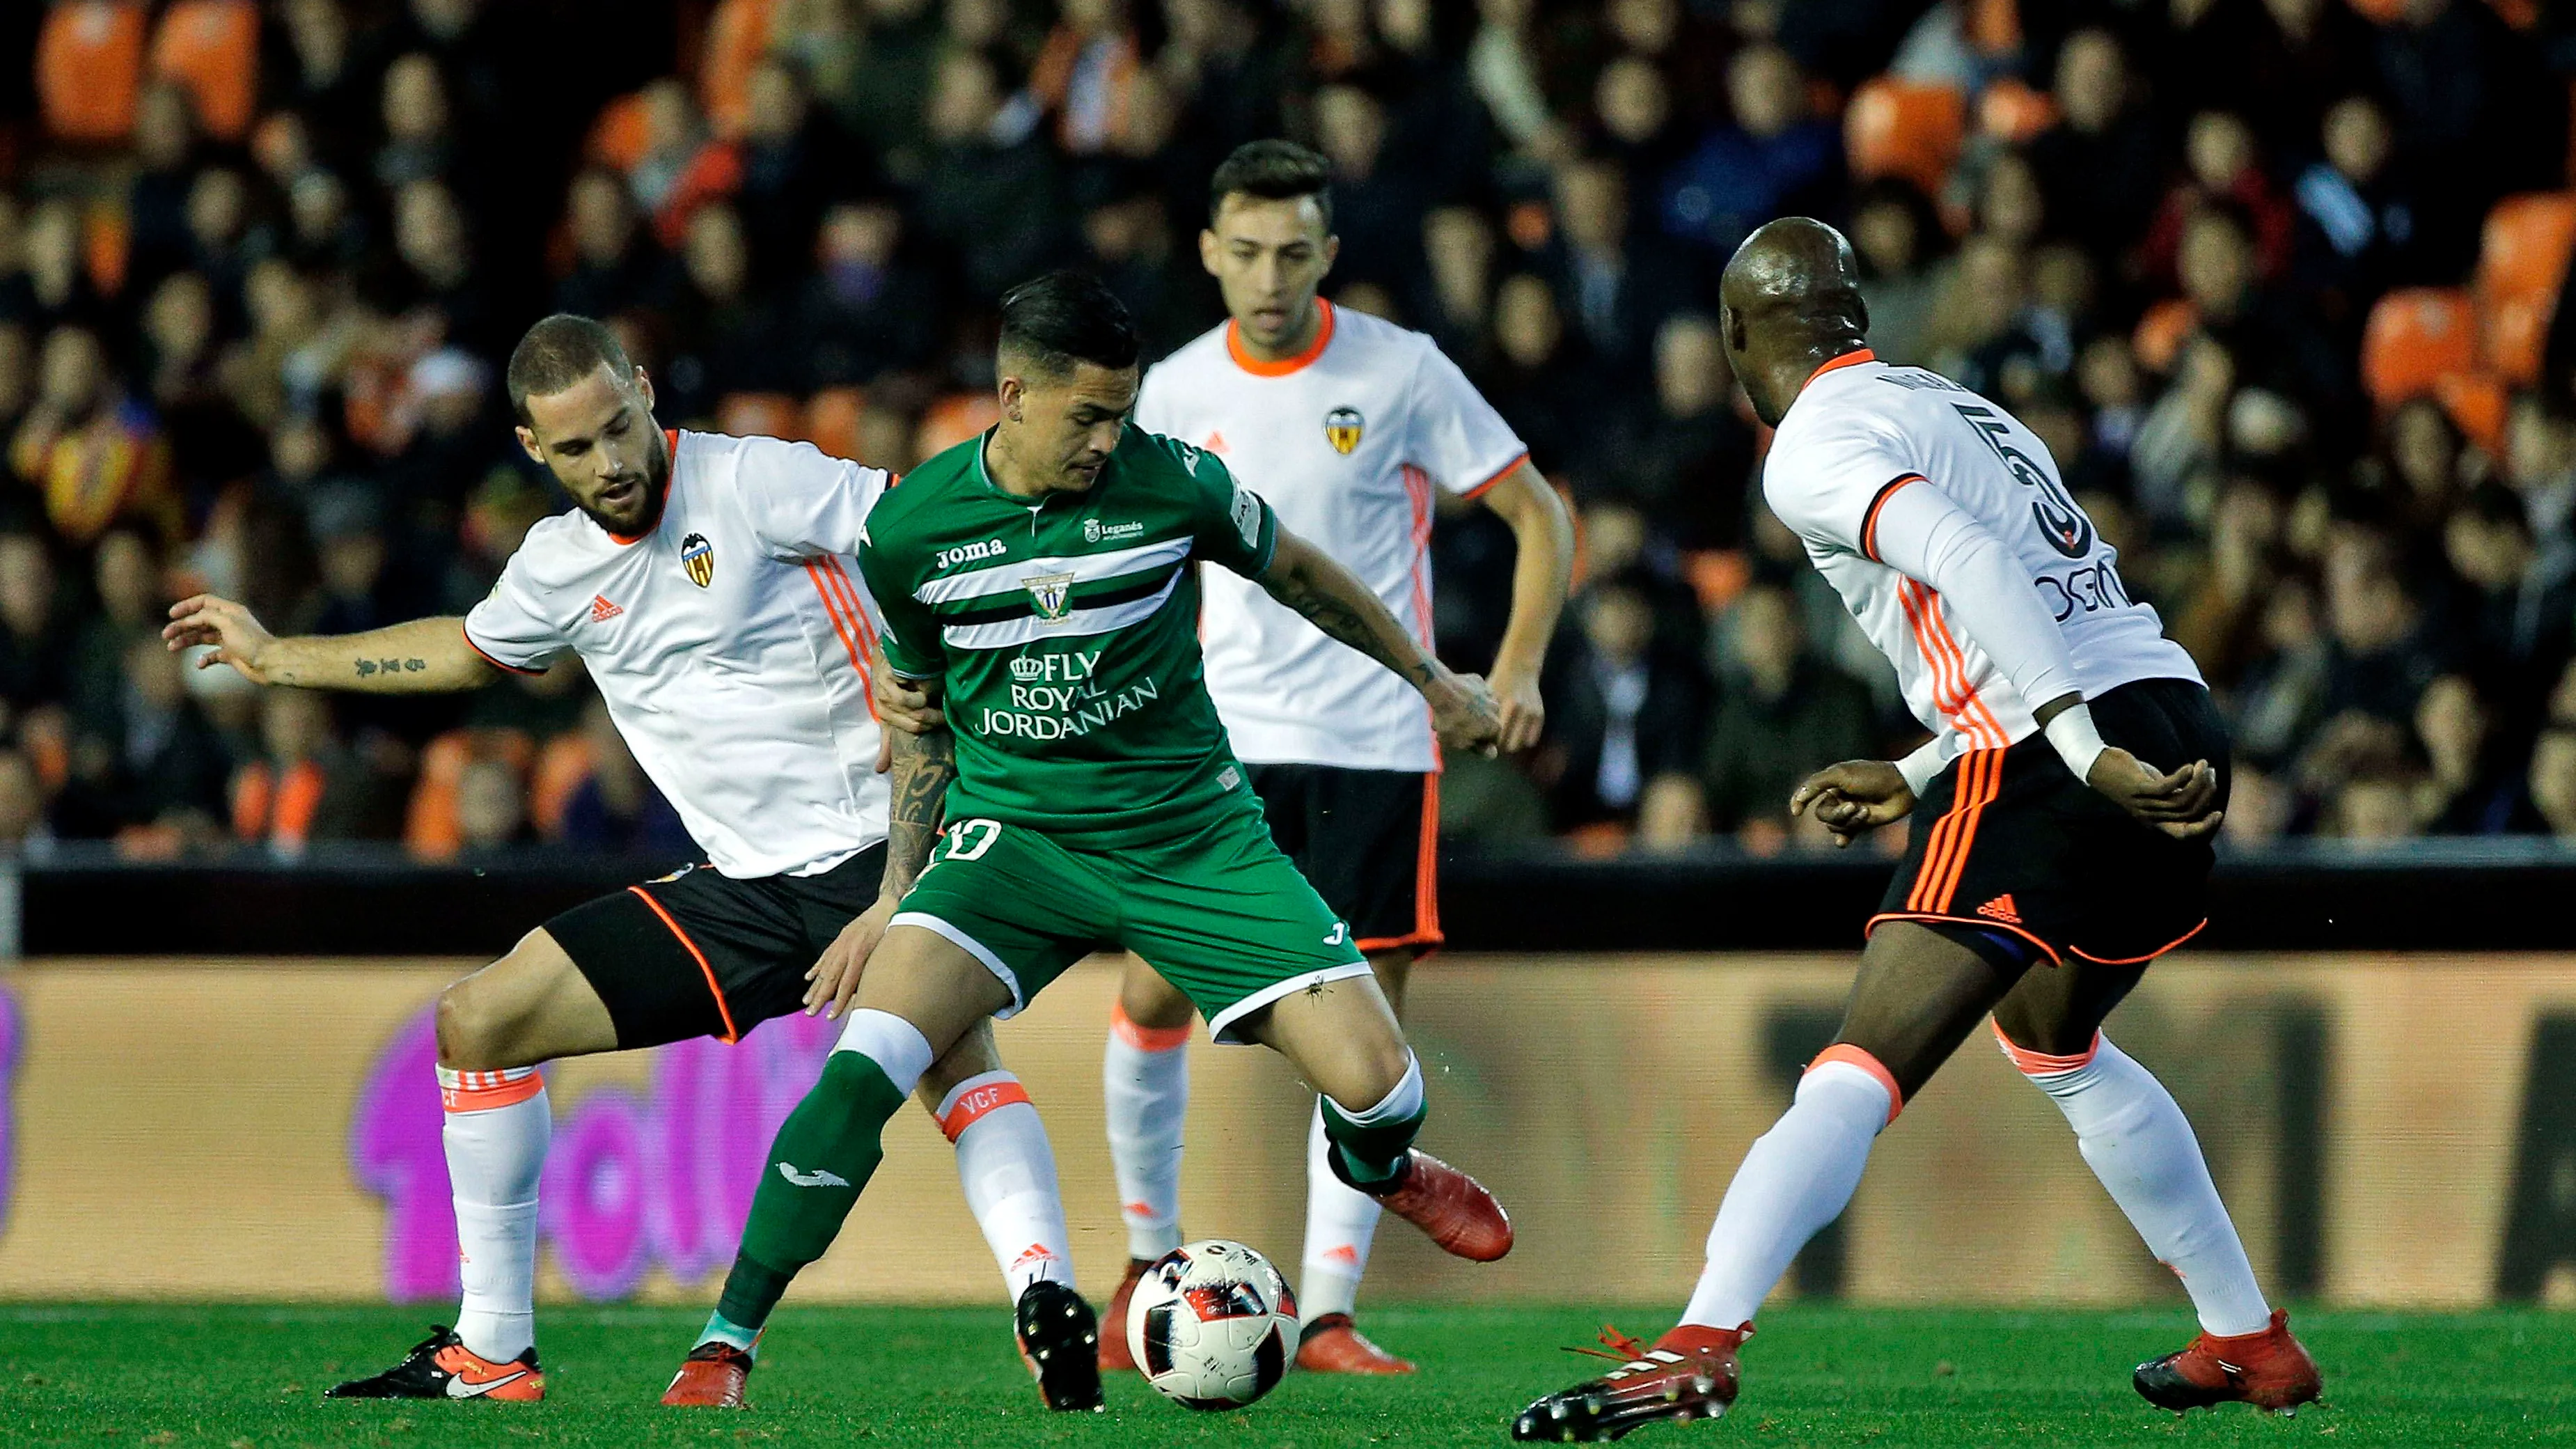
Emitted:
<point x="323" y="80"/>
<point x="420" y="144"/>
<point x="1686" y="459"/>
<point x="491" y="808"/>
<point x="615" y="808"/>
<point x="2463" y="793"/>
<point x="303" y="785"/>
<point x="36" y="633"/>
<point x="793" y="162"/>
<point x="615" y="266"/>
<point x="156" y="198"/>
<point x="1615" y="289"/>
<point x="2363" y="227"/>
<point x="1893" y="233"/>
<point x="726" y="337"/>
<point x="125" y="576"/>
<point x="2379" y="660"/>
<point x="23" y="828"/>
<point x="1781" y="714"/>
<point x="1775" y="159"/>
<point x="1502" y="66"/>
<point x="2514" y="614"/>
<point x="1533" y="383"/>
<point x="1456" y="306"/>
<point x="144" y="755"/>
<point x="1376" y="211"/>
<point x="1086" y="74"/>
<point x="2551" y="783"/>
<point x="2222" y="165"/>
<point x="2099" y="165"/>
<point x="993" y="194"/>
<point x="1626" y="712"/>
<point x="865" y="312"/>
<point x="94" y="453"/>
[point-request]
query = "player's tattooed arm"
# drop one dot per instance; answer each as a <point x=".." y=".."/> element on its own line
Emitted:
<point x="1331" y="598"/>
<point x="923" y="766"/>
<point x="424" y="656"/>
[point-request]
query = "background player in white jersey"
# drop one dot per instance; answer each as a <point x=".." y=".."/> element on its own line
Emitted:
<point x="2050" y="858"/>
<point x="706" y="583"/>
<point x="1346" y="424"/>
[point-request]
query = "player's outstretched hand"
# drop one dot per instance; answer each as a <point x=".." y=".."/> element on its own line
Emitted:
<point x="835" y="978"/>
<point x="237" y="638"/>
<point x="2180" y="804"/>
<point x="1854" y="798"/>
<point x="1465" y="713"/>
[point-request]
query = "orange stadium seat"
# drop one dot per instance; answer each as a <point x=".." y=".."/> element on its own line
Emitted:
<point x="211" y="47"/>
<point x="107" y="243"/>
<point x="761" y="415"/>
<point x="1905" y="129"/>
<point x="2011" y="112"/>
<point x="2415" y="337"/>
<point x="737" y="39"/>
<point x="618" y="136"/>
<point x="953" y="419"/>
<point x="832" y="421"/>
<point x="2513" y="335"/>
<point x="2524" y="249"/>
<point x="89" y="68"/>
<point x="431" y="830"/>
<point x="2160" y="334"/>
<point x="1717" y="575"/>
<point x="2476" y="403"/>
<point x="562" y="766"/>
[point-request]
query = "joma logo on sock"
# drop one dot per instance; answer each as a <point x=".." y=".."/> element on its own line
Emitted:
<point x="819" y="1177"/>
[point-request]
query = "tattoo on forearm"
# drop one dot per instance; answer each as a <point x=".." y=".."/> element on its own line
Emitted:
<point x="923" y="766"/>
<point x="367" y="667"/>
<point x="1336" y="617"/>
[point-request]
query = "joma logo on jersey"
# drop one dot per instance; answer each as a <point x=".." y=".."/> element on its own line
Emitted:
<point x="1051" y="594"/>
<point x="1342" y="429"/>
<point x="1093" y="530"/>
<point x="699" y="557"/>
<point x="969" y="552"/>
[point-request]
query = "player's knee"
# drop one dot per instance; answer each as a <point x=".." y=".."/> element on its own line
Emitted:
<point x="2042" y="1033"/>
<point x="1150" y="1001"/>
<point x="465" y="1029"/>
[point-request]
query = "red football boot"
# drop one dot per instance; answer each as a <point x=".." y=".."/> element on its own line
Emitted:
<point x="1453" y="1208"/>
<point x="711" y="1378"/>
<point x="1333" y="1344"/>
<point x="1690" y="1373"/>
<point x="1114" y="1356"/>
<point x="2270" y="1370"/>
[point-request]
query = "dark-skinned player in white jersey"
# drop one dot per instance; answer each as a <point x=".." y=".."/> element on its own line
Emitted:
<point x="2058" y="844"/>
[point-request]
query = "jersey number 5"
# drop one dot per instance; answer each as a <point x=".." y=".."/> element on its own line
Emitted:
<point x="2060" y="522"/>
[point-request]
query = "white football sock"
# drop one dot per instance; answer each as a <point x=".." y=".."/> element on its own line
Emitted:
<point x="1008" y="1171"/>
<point x="1796" y="1178"/>
<point x="1145" y="1081"/>
<point x="1340" y="1223"/>
<point x="2140" y="1145"/>
<point x="496" y="1133"/>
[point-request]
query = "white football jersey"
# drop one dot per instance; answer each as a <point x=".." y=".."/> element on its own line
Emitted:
<point x="731" y="644"/>
<point x="1861" y="431"/>
<point x="1346" y="443"/>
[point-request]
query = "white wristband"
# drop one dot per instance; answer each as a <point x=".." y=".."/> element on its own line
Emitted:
<point x="1922" y="767"/>
<point x="2076" y="740"/>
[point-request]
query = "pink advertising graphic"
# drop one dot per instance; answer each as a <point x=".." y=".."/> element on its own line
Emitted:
<point x="632" y="1182"/>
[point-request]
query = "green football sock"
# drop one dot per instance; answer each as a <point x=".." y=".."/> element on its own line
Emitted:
<point x="820" y="1161"/>
<point x="1369" y="1147"/>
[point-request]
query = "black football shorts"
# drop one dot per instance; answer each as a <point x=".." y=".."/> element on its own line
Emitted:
<point x="697" y="953"/>
<point x="1367" y="840"/>
<point x="2009" y="843"/>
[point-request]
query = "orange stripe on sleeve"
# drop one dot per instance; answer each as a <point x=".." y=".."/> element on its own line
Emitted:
<point x="723" y="1011"/>
<point x="1499" y="475"/>
<point x="1869" y="520"/>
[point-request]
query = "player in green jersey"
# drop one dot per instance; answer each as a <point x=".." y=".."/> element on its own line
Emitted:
<point x="1039" y="584"/>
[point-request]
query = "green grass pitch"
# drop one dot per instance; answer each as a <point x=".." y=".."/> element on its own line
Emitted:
<point x="247" y="1376"/>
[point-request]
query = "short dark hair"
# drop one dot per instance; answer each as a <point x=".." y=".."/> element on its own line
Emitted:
<point x="1064" y="318"/>
<point x="1274" y="171"/>
<point x="559" y="351"/>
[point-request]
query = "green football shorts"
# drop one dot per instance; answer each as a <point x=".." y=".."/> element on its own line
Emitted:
<point x="1221" y="913"/>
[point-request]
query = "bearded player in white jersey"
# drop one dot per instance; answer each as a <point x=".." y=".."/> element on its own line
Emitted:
<point x="706" y="582"/>
<point x="2059" y="843"/>
<point x="1346" y="424"/>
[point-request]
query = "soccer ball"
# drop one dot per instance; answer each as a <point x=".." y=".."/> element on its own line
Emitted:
<point x="1212" y="1325"/>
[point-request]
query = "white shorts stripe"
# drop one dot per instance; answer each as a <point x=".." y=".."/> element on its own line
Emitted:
<point x="971" y="947"/>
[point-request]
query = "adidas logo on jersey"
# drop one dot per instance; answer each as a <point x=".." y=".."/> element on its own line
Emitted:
<point x="1215" y="443"/>
<point x="2001" y="909"/>
<point x="601" y="610"/>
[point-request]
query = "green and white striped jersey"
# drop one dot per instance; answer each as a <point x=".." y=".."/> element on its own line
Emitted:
<point x="1065" y="632"/>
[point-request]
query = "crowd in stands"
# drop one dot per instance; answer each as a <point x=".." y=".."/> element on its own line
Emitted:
<point x="2276" y="280"/>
